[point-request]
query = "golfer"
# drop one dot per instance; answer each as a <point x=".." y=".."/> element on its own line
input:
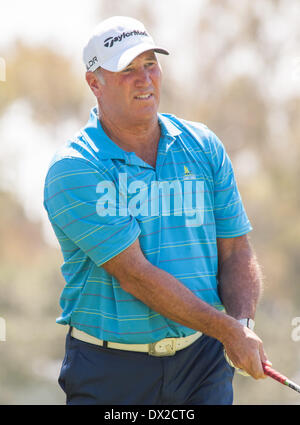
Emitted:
<point x="161" y="281"/>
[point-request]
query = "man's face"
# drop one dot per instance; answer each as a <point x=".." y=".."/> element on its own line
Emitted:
<point x="132" y="95"/>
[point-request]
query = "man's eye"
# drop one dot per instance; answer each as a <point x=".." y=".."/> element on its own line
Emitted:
<point x="127" y="70"/>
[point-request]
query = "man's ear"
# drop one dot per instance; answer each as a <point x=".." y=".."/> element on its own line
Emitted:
<point x="94" y="83"/>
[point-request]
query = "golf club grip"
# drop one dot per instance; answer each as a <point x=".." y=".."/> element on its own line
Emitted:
<point x="274" y="374"/>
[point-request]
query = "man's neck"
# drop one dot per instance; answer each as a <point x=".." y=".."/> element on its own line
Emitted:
<point x="140" y="137"/>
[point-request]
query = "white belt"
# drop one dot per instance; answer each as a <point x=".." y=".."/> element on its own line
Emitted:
<point x="164" y="347"/>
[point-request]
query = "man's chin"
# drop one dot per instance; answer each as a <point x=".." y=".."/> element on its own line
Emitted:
<point x="144" y="113"/>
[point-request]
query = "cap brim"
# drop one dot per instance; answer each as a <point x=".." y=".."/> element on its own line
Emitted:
<point x="119" y="62"/>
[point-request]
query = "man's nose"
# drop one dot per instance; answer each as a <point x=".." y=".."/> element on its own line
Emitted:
<point x="143" y="77"/>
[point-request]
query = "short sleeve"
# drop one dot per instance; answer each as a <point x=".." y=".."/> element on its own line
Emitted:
<point x="230" y="215"/>
<point x="81" y="200"/>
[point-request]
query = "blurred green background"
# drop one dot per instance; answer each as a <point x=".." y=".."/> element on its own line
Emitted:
<point x="234" y="66"/>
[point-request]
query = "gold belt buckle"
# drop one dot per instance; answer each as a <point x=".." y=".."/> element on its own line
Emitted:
<point x="164" y="347"/>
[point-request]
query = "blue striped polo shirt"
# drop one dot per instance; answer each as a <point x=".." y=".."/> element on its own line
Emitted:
<point x="100" y="199"/>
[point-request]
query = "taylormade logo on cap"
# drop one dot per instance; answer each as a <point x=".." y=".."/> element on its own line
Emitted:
<point x="116" y="42"/>
<point x="109" y="42"/>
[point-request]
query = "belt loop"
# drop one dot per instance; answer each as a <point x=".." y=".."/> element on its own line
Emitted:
<point x="104" y="344"/>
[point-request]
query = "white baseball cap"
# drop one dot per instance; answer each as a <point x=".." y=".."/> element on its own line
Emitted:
<point x="115" y="42"/>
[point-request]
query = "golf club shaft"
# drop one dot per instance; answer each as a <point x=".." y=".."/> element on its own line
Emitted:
<point x="280" y="378"/>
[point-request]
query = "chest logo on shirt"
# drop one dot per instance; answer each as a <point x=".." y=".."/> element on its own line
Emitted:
<point x="187" y="174"/>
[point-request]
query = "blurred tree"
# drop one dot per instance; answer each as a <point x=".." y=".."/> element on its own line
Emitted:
<point x="30" y="283"/>
<point x="46" y="80"/>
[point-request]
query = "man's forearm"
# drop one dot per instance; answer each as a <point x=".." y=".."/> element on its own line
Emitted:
<point x="240" y="283"/>
<point x="164" y="294"/>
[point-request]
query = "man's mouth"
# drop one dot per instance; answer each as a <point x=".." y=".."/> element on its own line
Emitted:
<point x="144" y="96"/>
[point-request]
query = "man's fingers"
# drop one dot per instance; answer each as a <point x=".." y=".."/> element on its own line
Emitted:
<point x="258" y="372"/>
<point x="263" y="356"/>
<point x="250" y="363"/>
<point x="238" y="370"/>
<point x="246" y="352"/>
<point x="264" y="359"/>
<point x="260" y="357"/>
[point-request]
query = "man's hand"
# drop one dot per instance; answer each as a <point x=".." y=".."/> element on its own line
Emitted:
<point x="245" y="349"/>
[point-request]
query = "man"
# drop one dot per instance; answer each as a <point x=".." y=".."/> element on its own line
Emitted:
<point x="160" y="276"/>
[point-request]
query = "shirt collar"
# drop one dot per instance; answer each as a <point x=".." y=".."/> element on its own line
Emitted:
<point x="98" y="139"/>
<point x="107" y="149"/>
<point x="168" y="129"/>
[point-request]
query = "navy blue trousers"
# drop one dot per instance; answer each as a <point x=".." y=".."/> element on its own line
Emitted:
<point x="196" y="375"/>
